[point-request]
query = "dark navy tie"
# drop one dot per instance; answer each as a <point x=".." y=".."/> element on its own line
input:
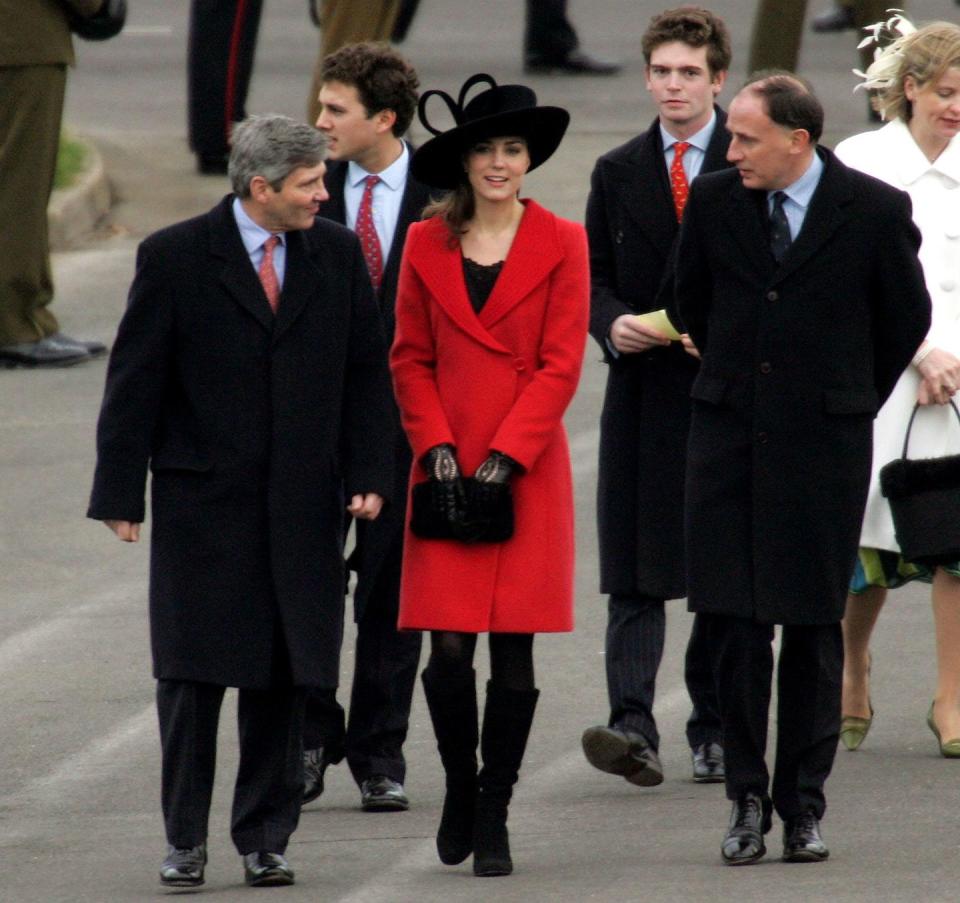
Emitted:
<point x="779" y="228"/>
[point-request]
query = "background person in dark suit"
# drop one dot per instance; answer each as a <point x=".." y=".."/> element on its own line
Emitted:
<point x="633" y="216"/>
<point x="550" y="43"/>
<point x="253" y="401"/>
<point x="368" y="96"/>
<point x="799" y="283"/>
<point x="220" y="51"/>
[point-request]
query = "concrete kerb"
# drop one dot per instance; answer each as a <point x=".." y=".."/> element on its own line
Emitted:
<point x="76" y="211"/>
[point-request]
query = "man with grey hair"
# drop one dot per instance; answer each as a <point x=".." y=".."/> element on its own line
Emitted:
<point x="248" y="372"/>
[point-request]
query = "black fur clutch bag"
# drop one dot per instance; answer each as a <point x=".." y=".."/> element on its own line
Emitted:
<point x="924" y="495"/>
<point x="465" y="510"/>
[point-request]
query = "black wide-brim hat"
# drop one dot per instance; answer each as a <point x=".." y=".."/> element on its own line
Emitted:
<point x="499" y="112"/>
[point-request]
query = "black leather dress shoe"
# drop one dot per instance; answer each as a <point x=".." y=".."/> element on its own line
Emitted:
<point x="314" y="765"/>
<point x="94" y="349"/>
<point x="574" y="63"/>
<point x="840" y="18"/>
<point x="55" y="350"/>
<point x="379" y="793"/>
<point x="802" y="841"/>
<point x="708" y="763"/>
<point x="263" y="869"/>
<point x="622" y="752"/>
<point x="750" y="819"/>
<point x="183" y="866"/>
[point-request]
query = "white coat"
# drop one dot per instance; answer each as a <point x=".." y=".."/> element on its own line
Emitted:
<point x="892" y="155"/>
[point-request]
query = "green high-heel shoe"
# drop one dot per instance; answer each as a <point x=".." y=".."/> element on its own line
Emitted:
<point x="854" y="730"/>
<point x="949" y="749"/>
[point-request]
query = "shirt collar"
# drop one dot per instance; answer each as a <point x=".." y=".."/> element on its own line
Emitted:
<point x="393" y="176"/>
<point x="801" y="191"/>
<point x="700" y="140"/>
<point x="912" y="162"/>
<point x="252" y="234"/>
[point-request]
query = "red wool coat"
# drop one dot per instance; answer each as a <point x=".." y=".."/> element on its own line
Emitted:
<point x="498" y="380"/>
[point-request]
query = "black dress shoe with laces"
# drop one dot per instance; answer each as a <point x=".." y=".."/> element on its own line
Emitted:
<point x="262" y="869"/>
<point x="314" y="765"/>
<point x="840" y="18"/>
<point x="708" y="763"/>
<point x="183" y="866"/>
<point x="574" y="63"/>
<point x="379" y="793"/>
<point x="749" y="821"/>
<point x="55" y="350"/>
<point x="622" y="752"/>
<point x="802" y="841"/>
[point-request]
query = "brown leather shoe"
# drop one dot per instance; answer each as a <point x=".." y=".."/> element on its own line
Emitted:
<point x="626" y="753"/>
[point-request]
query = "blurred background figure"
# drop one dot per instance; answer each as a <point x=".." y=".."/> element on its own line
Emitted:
<point x="220" y="51"/>
<point x="918" y="84"/>
<point x="35" y="50"/>
<point x="343" y="22"/>
<point x="550" y="43"/>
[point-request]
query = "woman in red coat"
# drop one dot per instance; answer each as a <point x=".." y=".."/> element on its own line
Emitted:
<point x="492" y="312"/>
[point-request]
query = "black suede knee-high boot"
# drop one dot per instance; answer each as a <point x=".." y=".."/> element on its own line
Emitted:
<point x="506" y="725"/>
<point x="452" y="700"/>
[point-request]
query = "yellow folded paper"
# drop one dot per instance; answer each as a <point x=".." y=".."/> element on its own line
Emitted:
<point x="658" y="319"/>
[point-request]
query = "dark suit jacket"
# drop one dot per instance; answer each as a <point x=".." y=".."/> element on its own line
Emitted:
<point x="797" y="359"/>
<point x="254" y="427"/>
<point x="376" y="539"/>
<point x="632" y="226"/>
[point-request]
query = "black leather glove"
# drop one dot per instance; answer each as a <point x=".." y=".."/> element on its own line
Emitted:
<point x="440" y="463"/>
<point x="497" y="468"/>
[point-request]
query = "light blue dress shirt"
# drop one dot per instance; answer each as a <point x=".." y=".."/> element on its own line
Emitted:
<point x="799" y="195"/>
<point x="387" y="197"/>
<point x="693" y="158"/>
<point x="253" y="238"/>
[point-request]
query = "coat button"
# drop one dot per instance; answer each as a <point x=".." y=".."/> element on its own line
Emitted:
<point x="762" y="438"/>
<point x="948" y="285"/>
<point x="618" y="238"/>
<point x="519" y="365"/>
<point x="773" y="296"/>
<point x="765" y="367"/>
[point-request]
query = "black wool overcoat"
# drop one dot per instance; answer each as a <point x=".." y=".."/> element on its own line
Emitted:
<point x="797" y="359"/>
<point x="378" y="539"/>
<point x="255" y="428"/>
<point x="631" y="226"/>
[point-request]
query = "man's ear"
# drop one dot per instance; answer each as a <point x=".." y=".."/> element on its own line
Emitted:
<point x="719" y="80"/>
<point x="385" y="120"/>
<point x="260" y="189"/>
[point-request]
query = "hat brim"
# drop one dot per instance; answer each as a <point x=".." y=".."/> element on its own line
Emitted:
<point x="439" y="162"/>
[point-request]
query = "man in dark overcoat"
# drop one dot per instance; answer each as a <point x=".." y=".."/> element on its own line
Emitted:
<point x="799" y="283"/>
<point x="633" y="215"/>
<point x="368" y="96"/>
<point x="249" y="374"/>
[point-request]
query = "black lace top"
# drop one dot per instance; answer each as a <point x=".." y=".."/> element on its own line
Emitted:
<point x="480" y="279"/>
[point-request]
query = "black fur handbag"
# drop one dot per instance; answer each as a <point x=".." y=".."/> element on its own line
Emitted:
<point x="924" y="496"/>
<point x="465" y="510"/>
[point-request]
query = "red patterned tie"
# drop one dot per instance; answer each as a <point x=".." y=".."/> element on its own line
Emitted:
<point x="268" y="275"/>
<point x="678" y="178"/>
<point x="367" y="233"/>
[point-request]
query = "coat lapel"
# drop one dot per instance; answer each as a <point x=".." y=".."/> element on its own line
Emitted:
<point x="743" y="218"/>
<point x="302" y="282"/>
<point x="826" y="214"/>
<point x="235" y="272"/>
<point x="334" y="207"/>
<point x="533" y="255"/>
<point x="439" y="264"/>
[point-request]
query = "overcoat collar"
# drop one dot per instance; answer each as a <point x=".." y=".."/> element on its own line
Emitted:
<point x="535" y="252"/>
<point x="302" y="281"/>
<point x="746" y="212"/>
<point x="642" y="187"/>
<point x="912" y="163"/>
